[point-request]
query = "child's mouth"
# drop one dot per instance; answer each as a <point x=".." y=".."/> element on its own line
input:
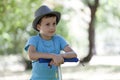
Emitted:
<point x="51" y="31"/>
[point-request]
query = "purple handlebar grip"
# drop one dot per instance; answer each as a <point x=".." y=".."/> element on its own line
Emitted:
<point x="41" y="60"/>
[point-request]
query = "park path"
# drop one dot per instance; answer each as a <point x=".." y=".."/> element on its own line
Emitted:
<point x="74" y="73"/>
<point x="97" y="69"/>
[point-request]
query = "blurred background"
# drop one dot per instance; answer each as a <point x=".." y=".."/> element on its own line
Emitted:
<point x="92" y="28"/>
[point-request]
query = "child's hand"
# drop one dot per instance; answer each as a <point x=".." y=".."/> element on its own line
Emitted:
<point x="57" y="60"/>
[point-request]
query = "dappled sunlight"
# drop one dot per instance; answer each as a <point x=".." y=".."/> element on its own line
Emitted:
<point x="105" y="60"/>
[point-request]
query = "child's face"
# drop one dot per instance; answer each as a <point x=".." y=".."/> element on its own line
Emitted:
<point x="47" y="27"/>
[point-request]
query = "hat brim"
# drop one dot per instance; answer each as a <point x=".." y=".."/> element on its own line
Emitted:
<point x="35" y="21"/>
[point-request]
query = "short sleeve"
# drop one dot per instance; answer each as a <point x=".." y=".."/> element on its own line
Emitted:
<point x="32" y="41"/>
<point x="63" y="42"/>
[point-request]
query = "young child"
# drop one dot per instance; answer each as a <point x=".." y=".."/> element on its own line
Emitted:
<point x="47" y="45"/>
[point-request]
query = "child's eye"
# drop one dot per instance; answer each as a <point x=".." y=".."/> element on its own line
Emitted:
<point x="47" y="24"/>
<point x="54" y="23"/>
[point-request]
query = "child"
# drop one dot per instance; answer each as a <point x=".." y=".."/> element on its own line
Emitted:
<point x="47" y="45"/>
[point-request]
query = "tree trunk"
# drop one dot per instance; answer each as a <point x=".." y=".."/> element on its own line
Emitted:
<point x="91" y="32"/>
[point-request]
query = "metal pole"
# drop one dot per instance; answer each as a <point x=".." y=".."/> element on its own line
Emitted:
<point x="59" y="73"/>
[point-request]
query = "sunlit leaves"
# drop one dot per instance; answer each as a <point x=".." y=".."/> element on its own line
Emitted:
<point x="15" y="16"/>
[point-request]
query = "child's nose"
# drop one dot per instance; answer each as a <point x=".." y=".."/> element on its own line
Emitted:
<point x="52" y="27"/>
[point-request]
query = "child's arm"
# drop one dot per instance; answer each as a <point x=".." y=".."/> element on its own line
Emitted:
<point x="34" y="55"/>
<point x="69" y="53"/>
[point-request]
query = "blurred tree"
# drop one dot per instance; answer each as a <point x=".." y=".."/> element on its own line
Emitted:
<point x="93" y="5"/>
<point x="107" y="16"/>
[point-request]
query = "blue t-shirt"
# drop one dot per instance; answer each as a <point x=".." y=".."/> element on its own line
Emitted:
<point x="41" y="71"/>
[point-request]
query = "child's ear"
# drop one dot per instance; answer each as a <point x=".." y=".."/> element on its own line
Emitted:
<point x="38" y="27"/>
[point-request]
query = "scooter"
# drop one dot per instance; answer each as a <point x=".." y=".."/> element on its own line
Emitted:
<point x="41" y="60"/>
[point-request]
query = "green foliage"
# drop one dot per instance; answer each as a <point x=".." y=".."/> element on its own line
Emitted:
<point x="16" y="15"/>
<point x="87" y="2"/>
<point x="16" y="18"/>
<point x="61" y="27"/>
<point x="108" y="15"/>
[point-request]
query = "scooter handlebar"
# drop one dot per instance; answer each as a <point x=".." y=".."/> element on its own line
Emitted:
<point x="41" y="60"/>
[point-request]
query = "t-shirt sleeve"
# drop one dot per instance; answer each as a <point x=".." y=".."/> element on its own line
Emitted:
<point x="32" y="41"/>
<point x="63" y="43"/>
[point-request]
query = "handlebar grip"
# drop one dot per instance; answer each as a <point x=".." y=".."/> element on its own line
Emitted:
<point x="41" y="60"/>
